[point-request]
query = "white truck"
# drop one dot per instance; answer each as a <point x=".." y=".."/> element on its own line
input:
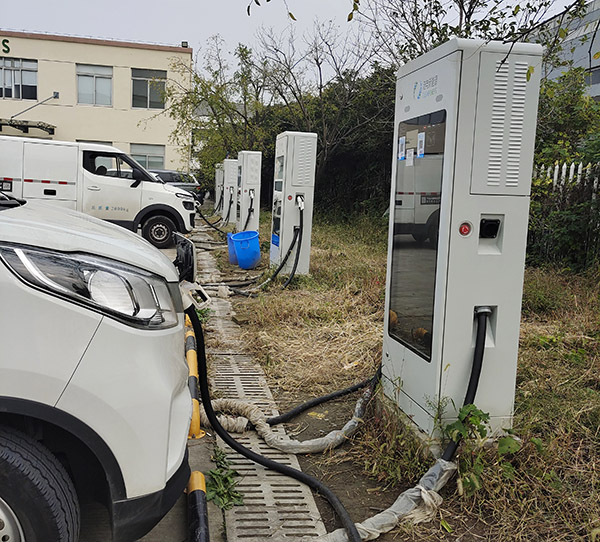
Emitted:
<point x="94" y="402"/>
<point x="98" y="180"/>
<point x="418" y="181"/>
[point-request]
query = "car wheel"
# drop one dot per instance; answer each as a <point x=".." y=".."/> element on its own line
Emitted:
<point x="159" y="231"/>
<point x="38" y="502"/>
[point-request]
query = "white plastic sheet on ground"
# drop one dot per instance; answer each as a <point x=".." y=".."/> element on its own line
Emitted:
<point x="417" y="504"/>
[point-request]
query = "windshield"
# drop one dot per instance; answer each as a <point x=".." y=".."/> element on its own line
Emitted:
<point x="113" y="164"/>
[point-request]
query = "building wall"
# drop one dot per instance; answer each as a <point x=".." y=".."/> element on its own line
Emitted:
<point x="120" y="123"/>
<point x="580" y="45"/>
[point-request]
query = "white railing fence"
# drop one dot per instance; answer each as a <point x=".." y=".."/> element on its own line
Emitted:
<point x="570" y="174"/>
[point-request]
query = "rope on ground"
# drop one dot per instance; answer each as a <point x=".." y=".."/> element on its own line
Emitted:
<point x="253" y="414"/>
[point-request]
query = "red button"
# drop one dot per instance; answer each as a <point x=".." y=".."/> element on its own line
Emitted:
<point x="465" y="228"/>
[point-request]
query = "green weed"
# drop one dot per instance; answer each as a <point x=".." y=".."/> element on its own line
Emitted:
<point x="221" y="483"/>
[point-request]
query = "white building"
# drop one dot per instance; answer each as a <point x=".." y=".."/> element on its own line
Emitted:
<point x="581" y="44"/>
<point x="107" y="92"/>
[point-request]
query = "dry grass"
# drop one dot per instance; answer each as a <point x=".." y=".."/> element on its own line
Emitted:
<point x="325" y="333"/>
<point x="550" y="489"/>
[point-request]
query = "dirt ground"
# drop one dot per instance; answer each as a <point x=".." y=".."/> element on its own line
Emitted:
<point x="361" y="495"/>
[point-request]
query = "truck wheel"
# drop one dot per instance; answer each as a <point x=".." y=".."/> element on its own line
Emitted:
<point x="159" y="231"/>
<point x="38" y="502"/>
<point x="433" y="235"/>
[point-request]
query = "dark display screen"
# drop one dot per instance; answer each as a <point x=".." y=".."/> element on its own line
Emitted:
<point x="418" y="187"/>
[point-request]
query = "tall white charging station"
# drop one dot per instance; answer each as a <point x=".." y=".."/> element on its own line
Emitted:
<point x="293" y="194"/>
<point x="219" y="188"/>
<point x="464" y="135"/>
<point x="230" y="172"/>
<point x="248" y="190"/>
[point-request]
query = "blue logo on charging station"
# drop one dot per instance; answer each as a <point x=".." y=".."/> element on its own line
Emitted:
<point x="417" y="95"/>
<point x="425" y="89"/>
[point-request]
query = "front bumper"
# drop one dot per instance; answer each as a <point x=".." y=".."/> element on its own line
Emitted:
<point x="133" y="518"/>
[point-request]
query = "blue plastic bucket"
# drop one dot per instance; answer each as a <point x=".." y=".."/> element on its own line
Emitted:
<point x="247" y="249"/>
<point x="230" y="247"/>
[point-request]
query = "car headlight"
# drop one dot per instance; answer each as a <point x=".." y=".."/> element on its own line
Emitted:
<point x="184" y="195"/>
<point x="128" y="294"/>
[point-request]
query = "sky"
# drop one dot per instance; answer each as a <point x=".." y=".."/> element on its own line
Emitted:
<point x="168" y="22"/>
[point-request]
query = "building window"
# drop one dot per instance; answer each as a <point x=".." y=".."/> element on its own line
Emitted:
<point x="592" y="77"/>
<point x="149" y="156"/>
<point x="18" y="78"/>
<point x="94" y="84"/>
<point x="148" y="88"/>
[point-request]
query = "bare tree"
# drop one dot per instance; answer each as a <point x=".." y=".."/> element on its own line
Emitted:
<point x="321" y="80"/>
<point x="405" y="29"/>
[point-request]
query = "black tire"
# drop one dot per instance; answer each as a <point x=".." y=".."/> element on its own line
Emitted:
<point x="37" y="496"/>
<point x="432" y="234"/>
<point x="159" y="231"/>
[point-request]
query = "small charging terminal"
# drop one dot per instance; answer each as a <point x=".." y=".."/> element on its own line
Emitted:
<point x="230" y="171"/>
<point x="293" y="191"/>
<point x="248" y="199"/>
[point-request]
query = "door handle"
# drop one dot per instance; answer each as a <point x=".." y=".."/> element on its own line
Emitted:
<point x="94" y="188"/>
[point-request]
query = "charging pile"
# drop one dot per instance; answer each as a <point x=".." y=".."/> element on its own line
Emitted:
<point x="293" y="195"/>
<point x="464" y="133"/>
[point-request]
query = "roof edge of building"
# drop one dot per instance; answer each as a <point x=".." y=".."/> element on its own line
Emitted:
<point x="94" y="41"/>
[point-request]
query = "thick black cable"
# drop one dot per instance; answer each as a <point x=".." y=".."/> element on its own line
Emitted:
<point x="298" y="249"/>
<point x="286" y="416"/>
<point x="210" y="223"/>
<point x="283" y="262"/>
<point x="251" y="293"/>
<point x="205" y="218"/>
<point x="228" y="210"/>
<point x="220" y="202"/>
<point x="250" y="211"/>
<point x="319" y="487"/>
<point x="482" y="317"/>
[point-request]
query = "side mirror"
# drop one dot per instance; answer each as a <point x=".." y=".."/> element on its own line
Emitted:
<point x="138" y="177"/>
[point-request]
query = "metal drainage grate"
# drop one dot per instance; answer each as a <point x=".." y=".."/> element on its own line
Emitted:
<point x="276" y="508"/>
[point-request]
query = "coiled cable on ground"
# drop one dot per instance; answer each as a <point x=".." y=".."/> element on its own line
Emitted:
<point x="246" y="414"/>
<point x="312" y="482"/>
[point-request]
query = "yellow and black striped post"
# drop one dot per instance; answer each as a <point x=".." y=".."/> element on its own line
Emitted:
<point x="192" y="361"/>
<point x="197" y="509"/>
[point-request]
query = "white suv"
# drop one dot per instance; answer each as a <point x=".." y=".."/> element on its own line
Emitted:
<point x="94" y="402"/>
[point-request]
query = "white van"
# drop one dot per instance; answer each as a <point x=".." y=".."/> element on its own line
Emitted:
<point x="98" y="180"/>
<point x="94" y="401"/>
